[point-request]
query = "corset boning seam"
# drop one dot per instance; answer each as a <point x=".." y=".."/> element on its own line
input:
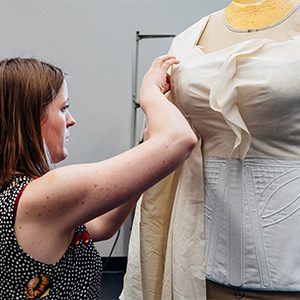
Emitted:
<point x="214" y="215"/>
<point x="256" y="229"/>
<point x="252" y="212"/>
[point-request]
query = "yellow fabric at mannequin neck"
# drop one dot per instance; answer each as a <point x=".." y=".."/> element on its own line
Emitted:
<point x="255" y="14"/>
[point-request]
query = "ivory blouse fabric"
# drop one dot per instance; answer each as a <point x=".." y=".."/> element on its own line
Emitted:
<point x="242" y="178"/>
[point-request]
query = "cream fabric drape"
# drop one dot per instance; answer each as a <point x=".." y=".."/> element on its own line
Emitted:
<point x="170" y="225"/>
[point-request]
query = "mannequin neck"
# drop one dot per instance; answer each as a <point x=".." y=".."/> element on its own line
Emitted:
<point x="256" y="14"/>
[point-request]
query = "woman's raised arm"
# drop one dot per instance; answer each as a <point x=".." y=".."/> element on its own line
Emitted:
<point x="73" y="195"/>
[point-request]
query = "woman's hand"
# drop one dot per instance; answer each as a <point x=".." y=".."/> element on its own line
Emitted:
<point x="157" y="78"/>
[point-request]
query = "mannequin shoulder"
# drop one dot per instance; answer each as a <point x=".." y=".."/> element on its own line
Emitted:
<point x="190" y="36"/>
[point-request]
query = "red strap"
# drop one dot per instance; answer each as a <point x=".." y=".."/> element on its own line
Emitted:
<point x="17" y="202"/>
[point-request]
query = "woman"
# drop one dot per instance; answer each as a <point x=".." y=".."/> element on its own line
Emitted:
<point x="49" y="218"/>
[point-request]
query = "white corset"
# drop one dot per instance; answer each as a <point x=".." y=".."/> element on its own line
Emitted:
<point x="252" y="223"/>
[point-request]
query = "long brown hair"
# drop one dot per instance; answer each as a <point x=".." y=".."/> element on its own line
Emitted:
<point x="27" y="86"/>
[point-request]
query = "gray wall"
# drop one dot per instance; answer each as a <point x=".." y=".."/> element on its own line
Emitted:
<point x="94" y="41"/>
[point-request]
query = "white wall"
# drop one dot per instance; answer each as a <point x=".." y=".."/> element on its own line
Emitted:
<point x="94" y="41"/>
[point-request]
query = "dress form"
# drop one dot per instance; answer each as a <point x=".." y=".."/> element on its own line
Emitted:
<point x="219" y="33"/>
<point x="245" y="19"/>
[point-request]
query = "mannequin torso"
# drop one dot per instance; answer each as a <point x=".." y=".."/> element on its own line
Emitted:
<point x="246" y="19"/>
<point x="209" y="90"/>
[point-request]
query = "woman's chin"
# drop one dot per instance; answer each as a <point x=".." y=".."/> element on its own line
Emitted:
<point x="59" y="157"/>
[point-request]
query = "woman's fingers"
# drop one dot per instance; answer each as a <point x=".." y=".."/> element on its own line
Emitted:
<point x="157" y="76"/>
<point x="168" y="63"/>
<point x="164" y="62"/>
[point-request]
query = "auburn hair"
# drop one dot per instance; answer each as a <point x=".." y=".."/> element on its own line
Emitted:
<point x="27" y="86"/>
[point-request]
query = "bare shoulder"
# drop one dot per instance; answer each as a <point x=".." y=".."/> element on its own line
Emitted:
<point x="50" y="197"/>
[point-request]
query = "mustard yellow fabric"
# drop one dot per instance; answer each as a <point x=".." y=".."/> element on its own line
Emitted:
<point x="257" y="14"/>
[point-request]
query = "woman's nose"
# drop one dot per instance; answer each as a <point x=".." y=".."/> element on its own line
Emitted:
<point x="70" y="120"/>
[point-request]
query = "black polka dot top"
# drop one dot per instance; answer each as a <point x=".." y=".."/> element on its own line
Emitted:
<point x="77" y="275"/>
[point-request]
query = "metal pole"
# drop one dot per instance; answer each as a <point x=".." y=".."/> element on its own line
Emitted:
<point x="135" y="102"/>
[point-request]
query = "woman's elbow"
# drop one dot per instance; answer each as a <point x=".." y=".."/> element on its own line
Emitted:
<point x="187" y="142"/>
<point x="191" y="141"/>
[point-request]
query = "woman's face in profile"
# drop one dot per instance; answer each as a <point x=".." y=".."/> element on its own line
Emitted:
<point x="55" y="124"/>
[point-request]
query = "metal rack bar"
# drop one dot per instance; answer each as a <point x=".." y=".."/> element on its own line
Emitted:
<point x="135" y="103"/>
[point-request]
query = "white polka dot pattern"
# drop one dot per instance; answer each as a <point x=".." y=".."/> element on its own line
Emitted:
<point x="77" y="275"/>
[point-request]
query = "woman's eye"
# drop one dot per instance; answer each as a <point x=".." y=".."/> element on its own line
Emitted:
<point x="66" y="107"/>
